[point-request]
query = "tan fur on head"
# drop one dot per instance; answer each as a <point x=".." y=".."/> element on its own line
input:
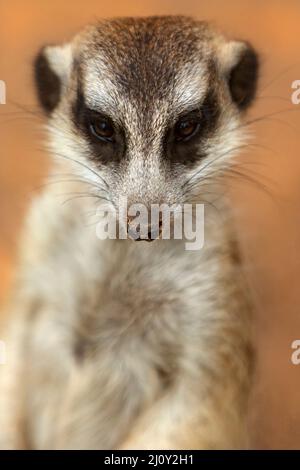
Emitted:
<point x="133" y="345"/>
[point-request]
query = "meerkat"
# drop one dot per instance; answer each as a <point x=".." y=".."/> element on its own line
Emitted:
<point x="119" y="344"/>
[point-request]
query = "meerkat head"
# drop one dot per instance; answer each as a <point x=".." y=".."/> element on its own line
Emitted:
<point x="151" y="105"/>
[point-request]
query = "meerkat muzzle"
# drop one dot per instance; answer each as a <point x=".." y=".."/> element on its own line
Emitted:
<point x="148" y="232"/>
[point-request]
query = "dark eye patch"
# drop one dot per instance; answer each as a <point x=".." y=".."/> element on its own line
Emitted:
<point x="203" y="121"/>
<point x="105" y="138"/>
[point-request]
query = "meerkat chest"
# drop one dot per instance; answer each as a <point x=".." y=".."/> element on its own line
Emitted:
<point x="122" y="325"/>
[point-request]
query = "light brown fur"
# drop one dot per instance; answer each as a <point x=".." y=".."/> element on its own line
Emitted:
<point x="115" y="344"/>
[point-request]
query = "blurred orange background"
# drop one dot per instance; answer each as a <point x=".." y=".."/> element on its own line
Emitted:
<point x="268" y="221"/>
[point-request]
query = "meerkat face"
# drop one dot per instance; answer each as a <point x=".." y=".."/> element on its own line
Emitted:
<point x="152" y="105"/>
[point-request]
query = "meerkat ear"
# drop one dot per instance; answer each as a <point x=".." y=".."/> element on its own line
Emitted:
<point x="51" y="72"/>
<point x="240" y="64"/>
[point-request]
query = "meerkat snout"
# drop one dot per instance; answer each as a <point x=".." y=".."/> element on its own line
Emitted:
<point x="148" y="230"/>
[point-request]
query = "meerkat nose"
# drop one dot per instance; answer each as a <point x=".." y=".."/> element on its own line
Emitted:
<point x="149" y="232"/>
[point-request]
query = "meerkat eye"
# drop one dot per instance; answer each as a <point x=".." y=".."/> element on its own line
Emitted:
<point x="102" y="129"/>
<point x="185" y="129"/>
